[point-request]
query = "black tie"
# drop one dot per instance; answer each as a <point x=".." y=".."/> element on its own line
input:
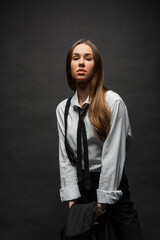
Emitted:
<point x="81" y="134"/>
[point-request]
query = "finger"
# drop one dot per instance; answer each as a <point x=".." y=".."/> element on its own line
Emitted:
<point x="95" y="223"/>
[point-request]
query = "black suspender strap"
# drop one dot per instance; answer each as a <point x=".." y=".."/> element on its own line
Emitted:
<point x="70" y="153"/>
<point x="81" y="133"/>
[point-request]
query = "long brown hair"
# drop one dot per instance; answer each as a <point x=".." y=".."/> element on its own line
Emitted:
<point x="99" y="112"/>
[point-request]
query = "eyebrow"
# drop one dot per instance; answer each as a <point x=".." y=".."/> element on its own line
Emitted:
<point x="86" y="54"/>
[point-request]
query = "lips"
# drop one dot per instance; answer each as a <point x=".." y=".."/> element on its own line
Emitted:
<point x="81" y="70"/>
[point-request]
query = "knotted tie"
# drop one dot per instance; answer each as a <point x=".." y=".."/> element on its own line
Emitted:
<point x="82" y="137"/>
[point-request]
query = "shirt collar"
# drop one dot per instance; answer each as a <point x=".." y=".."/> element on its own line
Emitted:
<point x="74" y="100"/>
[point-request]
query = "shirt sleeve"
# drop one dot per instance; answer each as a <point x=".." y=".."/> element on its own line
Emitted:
<point x="114" y="155"/>
<point x="68" y="172"/>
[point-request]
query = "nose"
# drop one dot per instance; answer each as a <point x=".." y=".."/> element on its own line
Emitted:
<point x="81" y="61"/>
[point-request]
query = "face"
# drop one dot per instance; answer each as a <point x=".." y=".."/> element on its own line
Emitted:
<point x="82" y="63"/>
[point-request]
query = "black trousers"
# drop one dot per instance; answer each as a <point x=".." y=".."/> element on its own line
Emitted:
<point x="120" y="222"/>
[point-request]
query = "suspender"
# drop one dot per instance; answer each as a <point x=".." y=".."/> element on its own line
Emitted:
<point x="70" y="153"/>
<point x="84" y="180"/>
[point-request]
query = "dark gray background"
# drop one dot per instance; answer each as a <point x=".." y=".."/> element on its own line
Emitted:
<point x="35" y="38"/>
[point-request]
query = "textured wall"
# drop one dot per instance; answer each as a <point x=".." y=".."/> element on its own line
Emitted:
<point x="35" y="37"/>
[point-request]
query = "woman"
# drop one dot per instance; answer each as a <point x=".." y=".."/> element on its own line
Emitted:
<point x="99" y="170"/>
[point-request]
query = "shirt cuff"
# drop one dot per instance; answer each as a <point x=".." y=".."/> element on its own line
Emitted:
<point x="108" y="197"/>
<point x="69" y="193"/>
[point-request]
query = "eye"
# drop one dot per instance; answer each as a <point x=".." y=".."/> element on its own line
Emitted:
<point x="88" y="59"/>
<point x="74" y="58"/>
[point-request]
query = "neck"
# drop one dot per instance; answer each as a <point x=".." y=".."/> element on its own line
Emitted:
<point x="82" y="94"/>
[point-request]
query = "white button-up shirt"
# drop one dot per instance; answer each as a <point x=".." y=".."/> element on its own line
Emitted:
<point x="106" y="157"/>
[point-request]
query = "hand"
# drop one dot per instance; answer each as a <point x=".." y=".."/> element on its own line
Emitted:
<point x="95" y="218"/>
<point x="102" y="206"/>
<point x="70" y="203"/>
